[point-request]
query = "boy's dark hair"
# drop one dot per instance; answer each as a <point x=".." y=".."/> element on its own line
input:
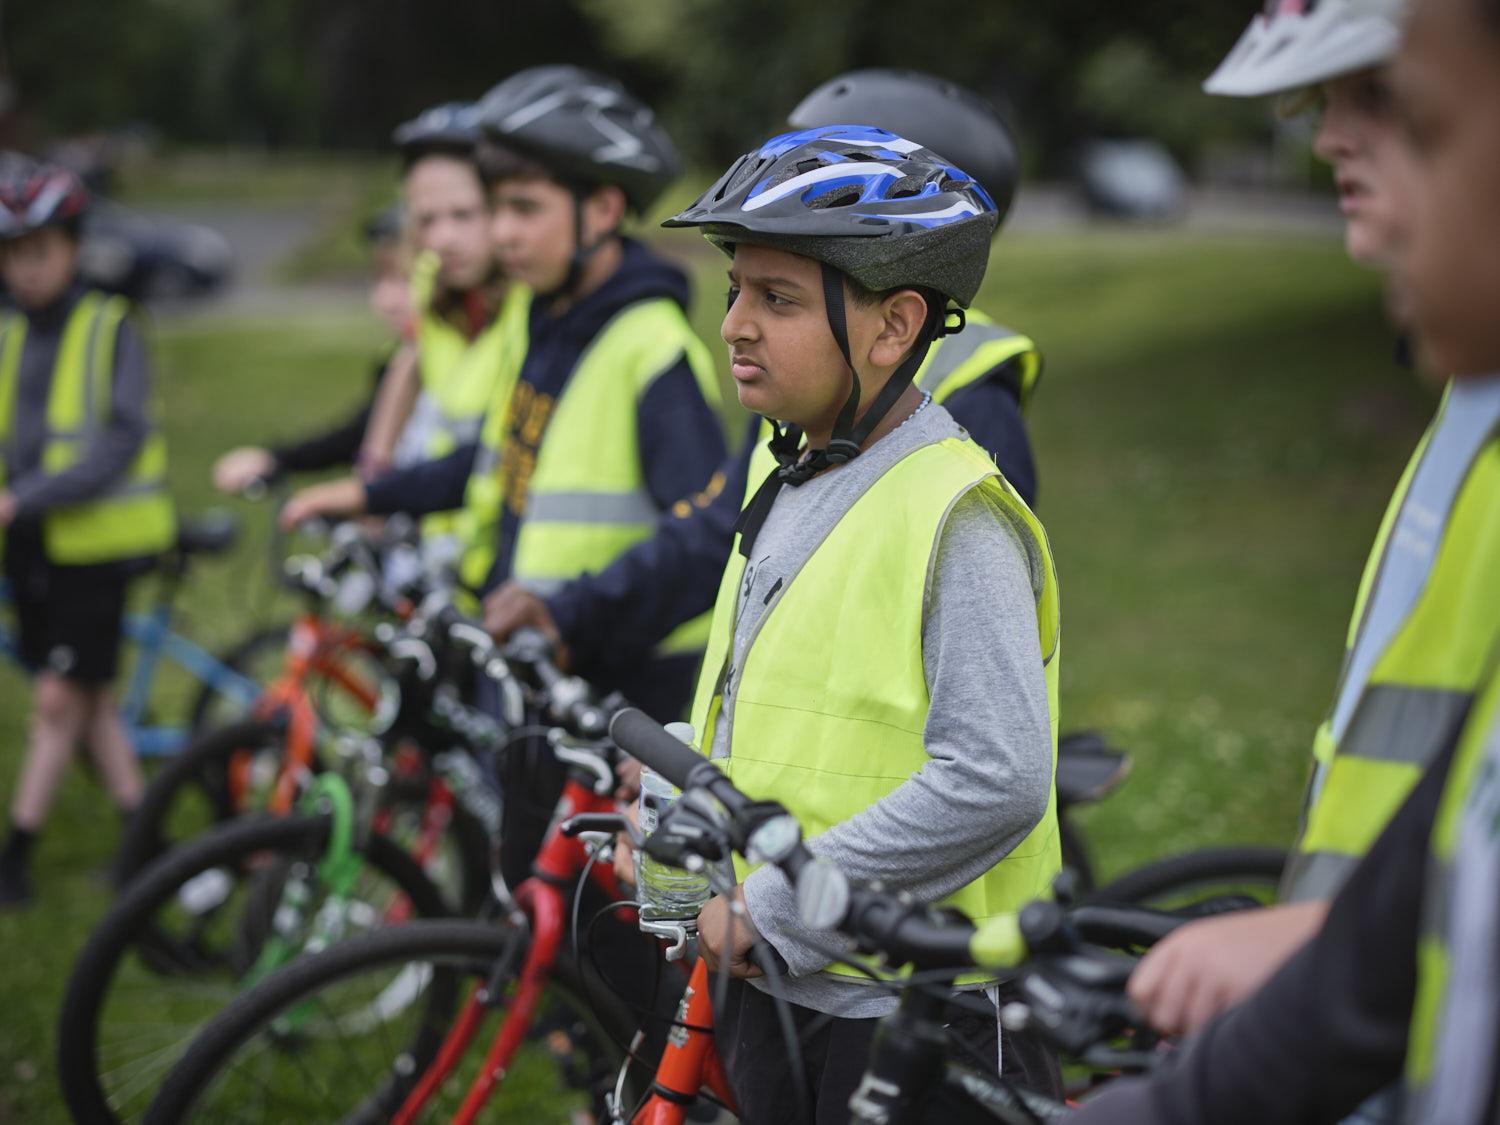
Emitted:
<point x="498" y="162"/>
<point x="1490" y="10"/>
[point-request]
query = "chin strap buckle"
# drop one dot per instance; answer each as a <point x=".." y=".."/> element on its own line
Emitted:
<point x="841" y="450"/>
<point x="954" y="330"/>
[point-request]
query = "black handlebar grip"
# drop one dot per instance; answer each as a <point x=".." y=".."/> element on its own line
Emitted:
<point x="643" y="737"/>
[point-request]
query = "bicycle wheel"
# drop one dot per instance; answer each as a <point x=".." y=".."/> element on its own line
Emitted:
<point x="174" y="948"/>
<point x="1195" y="877"/>
<point x="192" y="792"/>
<point x="345" y="1035"/>
<point x="259" y="658"/>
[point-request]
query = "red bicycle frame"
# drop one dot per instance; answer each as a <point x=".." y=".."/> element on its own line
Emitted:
<point x="690" y="1060"/>
<point x="542" y="899"/>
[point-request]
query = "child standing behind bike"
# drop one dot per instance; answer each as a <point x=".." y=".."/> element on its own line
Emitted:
<point x="883" y="657"/>
<point x="82" y="493"/>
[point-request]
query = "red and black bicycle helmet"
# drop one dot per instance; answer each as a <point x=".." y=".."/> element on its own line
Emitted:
<point x="45" y="196"/>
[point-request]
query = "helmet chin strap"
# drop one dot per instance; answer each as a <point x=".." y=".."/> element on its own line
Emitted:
<point x="848" y="437"/>
<point x="582" y="252"/>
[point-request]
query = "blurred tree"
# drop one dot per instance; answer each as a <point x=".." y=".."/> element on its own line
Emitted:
<point x="343" y="72"/>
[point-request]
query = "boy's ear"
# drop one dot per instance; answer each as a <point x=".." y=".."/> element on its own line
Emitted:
<point x="902" y="315"/>
<point x="604" y="210"/>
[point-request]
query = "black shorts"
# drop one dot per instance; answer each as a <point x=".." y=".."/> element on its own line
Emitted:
<point x="68" y="616"/>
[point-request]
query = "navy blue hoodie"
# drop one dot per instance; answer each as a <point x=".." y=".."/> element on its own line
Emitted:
<point x="681" y="444"/>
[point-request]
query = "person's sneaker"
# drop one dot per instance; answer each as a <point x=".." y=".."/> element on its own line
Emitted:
<point x="15" y="887"/>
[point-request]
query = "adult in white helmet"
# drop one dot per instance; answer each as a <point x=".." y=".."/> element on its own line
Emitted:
<point x="1424" y="597"/>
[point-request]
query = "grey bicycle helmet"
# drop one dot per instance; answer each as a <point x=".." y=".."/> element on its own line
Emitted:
<point x="865" y="203"/>
<point x="932" y="111"/>
<point x="450" y="128"/>
<point x="585" y="127"/>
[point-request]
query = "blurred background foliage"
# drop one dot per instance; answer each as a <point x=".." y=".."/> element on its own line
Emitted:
<point x="319" y="73"/>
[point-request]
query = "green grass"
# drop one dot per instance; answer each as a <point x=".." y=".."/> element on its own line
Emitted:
<point x="1217" y="433"/>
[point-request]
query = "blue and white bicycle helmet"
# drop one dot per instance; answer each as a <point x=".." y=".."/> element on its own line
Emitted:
<point x="450" y="128"/>
<point x="868" y="204"/>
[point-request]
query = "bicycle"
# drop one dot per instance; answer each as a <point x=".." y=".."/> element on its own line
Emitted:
<point x="561" y="1033"/>
<point x="254" y="764"/>
<point x="241" y="1050"/>
<point x="217" y="913"/>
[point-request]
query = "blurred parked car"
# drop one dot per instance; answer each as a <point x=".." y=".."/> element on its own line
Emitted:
<point x="151" y="259"/>
<point x="1132" y="179"/>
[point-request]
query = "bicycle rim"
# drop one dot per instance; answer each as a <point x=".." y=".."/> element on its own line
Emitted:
<point x="345" y="1036"/>
<point x="178" y="948"/>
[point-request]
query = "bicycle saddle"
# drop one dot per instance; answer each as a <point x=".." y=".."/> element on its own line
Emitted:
<point x="208" y="534"/>
<point x="1087" y="769"/>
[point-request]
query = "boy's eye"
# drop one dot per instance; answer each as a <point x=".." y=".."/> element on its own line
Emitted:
<point x="729" y="298"/>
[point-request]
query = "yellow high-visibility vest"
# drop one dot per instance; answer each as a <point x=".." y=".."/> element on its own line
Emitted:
<point x="831" y="696"/>
<point x="134" y="516"/>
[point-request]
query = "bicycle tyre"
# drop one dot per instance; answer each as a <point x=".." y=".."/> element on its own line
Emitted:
<point x="1196" y="875"/>
<point x="200" y="770"/>
<point x="459" y="952"/>
<point x="132" y="921"/>
<point x="242" y="658"/>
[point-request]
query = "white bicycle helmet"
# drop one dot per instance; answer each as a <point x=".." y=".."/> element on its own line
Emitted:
<point x="1293" y="44"/>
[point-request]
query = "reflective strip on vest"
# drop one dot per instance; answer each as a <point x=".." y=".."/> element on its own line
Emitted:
<point x="830" y="705"/>
<point x="133" y="516"/>
<point x="593" y="507"/>
<point x="586" y="500"/>
<point x="1419" y="688"/>
<point x="957" y="362"/>
<point x="1451" y="1045"/>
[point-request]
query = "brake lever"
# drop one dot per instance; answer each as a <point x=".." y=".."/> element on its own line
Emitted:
<point x="601" y="822"/>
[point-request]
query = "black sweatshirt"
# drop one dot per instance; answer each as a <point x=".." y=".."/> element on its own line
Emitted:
<point x="1330" y="1028"/>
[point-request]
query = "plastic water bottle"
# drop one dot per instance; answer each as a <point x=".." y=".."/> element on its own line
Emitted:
<point x="666" y="892"/>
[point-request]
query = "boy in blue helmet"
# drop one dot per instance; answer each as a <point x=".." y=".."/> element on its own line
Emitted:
<point x="883" y="656"/>
<point x="984" y="377"/>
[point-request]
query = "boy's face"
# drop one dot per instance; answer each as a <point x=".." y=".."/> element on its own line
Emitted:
<point x="39" y="267"/>
<point x="1448" y="87"/>
<point x="783" y="356"/>
<point x="1359" y="137"/>
<point x="534" y="229"/>
<point x="445" y="200"/>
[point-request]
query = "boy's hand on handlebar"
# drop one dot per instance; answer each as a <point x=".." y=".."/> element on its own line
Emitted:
<point x="1200" y="969"/>
<point x="512" y="607"/>
<point x="336" y="498"/>
<point x="236" y="470"/>
<point x="725" y="933"/>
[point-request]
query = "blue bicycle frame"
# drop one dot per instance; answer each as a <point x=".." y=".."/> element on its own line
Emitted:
<point x="152" y="634"/>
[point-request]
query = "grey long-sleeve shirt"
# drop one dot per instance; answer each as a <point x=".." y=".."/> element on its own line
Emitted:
<point x="110" y="453"/>
<point x="989" y="777"/>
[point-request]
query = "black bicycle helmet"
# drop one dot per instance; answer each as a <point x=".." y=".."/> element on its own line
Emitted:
<point x="42" y="196"/>
<point x="450" y="128"/>
<point x="585" y="127"/>
<point x="932" y="111"/>
<point x="862" y="202"/>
